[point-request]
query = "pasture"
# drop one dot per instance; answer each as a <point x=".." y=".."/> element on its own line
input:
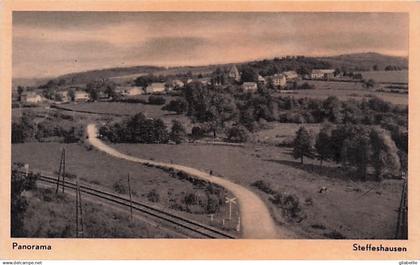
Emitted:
<point x="344" y="91"/>
<point x="387" y="76"/>
<point x="351" y="208"/>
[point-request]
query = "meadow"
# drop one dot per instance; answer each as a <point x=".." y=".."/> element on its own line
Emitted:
<point x="344" y="91"/>
<point x="348" y="209"/>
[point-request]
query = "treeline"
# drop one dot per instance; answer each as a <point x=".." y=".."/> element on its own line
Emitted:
<point x="208" y="105"/>
<point x="356" y="147"/>
<point x="58" y="127"/>
<point x="139" y="129"/>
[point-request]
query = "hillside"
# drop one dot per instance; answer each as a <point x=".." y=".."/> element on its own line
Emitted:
<point x="353" y="62"/>
<point x="365" y="61"/>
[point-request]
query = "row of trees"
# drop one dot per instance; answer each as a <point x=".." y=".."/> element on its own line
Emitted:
<point x="139" y="129"/>
<point x="27" y="129"/>
<point x="355" y="146"/>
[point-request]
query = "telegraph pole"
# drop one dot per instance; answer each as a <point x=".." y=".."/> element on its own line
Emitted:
<point x="79" y="212"/>
<point x="61" y="170"/>
<point x="131" y="200"/>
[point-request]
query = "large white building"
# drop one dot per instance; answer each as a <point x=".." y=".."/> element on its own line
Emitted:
<point x="249" y="87"/>
<point x="155" y="88"/>
<point x="30" y="97"/>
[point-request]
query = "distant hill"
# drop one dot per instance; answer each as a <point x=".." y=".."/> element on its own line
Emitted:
<point x="366" y="61"/>
<point x="352" y="62"/>
<point x="87" y="76"/>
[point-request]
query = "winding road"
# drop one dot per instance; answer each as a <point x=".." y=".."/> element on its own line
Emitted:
<point x="256" y="220"/>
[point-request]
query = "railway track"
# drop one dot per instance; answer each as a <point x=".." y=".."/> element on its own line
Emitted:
<point x="151" y="211"/>
<point x="402" y="224"/>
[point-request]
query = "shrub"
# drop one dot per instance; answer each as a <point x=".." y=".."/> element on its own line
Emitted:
<point x="153" y="196"/>
<point x="238" y="134"/>
<point x="119" y="187"/>
<point x="156" y="100"/>
<point x="263" y="186"/>
<point x="178" y="133"/>
<point x="177" y="105"/>
<point x="197" y="132"/>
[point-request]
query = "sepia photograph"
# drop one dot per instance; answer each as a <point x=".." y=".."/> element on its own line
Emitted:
<point x="209" y="125"/>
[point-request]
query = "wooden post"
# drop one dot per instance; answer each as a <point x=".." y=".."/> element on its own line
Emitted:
<point x="64" y="167"/>
<point x="79" y="211"/>
<point x="131" y="200"/>
<point x="61" y="170"/>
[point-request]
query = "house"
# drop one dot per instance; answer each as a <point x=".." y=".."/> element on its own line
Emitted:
<point x="81" y="95"/>
<point x="176" y="84"/>
<point x="155" y="88"/>
<point x="324" y="74"/>
<point x="204" y="80"/>
<point x="249" y="87"/>
<point x="291" y="75"/>
<point x="62" y="96"/>
<point x="30" y="97"/>
<point x="234" y="74"/>
<point x="279" y="80"/>
<point x="131" y="91"/>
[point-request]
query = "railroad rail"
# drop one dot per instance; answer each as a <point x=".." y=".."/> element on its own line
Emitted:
<point x="402" y="224"/>
<point x="151" y="211"/>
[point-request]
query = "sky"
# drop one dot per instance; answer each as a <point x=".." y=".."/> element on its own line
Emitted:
<point x="47" y="44"/>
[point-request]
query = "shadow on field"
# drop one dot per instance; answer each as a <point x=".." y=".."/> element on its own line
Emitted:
<point x="327" y="171"/>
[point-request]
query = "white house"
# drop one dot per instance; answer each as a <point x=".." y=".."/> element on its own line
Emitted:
<point x="155" y="88"/>
<point x="30" y="97"/>
<point x="131" y="91"/>
<point x="176" y="84"/>
<point x="322" y="74"/>
<point x="290" y="75"/>
<point x="81" y="95"/>
<point x="249" y="87"/>
<point x="279" y="80"/>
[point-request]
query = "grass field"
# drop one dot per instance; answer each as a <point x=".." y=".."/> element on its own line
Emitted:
<point x="387" y="76"/>
<point x="97" y="168"/>
<point x="345" y="209"/>
<point x="346" y="90"/>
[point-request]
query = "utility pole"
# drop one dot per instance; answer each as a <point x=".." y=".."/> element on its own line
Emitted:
<point x="61" y="170"/>
<point x="131" y="200"/>
<point x="79" y="212"/>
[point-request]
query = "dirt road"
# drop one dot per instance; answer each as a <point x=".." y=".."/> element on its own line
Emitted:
<point x="255" y="217"/>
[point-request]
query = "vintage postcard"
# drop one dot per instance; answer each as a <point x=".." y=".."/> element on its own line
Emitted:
<point x="209" y="130"/>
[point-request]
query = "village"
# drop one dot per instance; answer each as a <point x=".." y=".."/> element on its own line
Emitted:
<point x="65" y="94"/>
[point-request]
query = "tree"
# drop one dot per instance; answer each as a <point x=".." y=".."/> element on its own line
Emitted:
<point x="356" y="151"/>
<point x="249" y="75"/>
<point x="385" y="158"/>
<point x="238" y="134"/>
<point x="93" y="93"/>
<point x="302" y="144"/>
<point x="20" y="183"/>
<point x="178" y="132"/>
<point x="323" y="143"/>
<point x="331" y="109"/>
<point x="178" y="105"/>
<point x="20" y="90"/>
